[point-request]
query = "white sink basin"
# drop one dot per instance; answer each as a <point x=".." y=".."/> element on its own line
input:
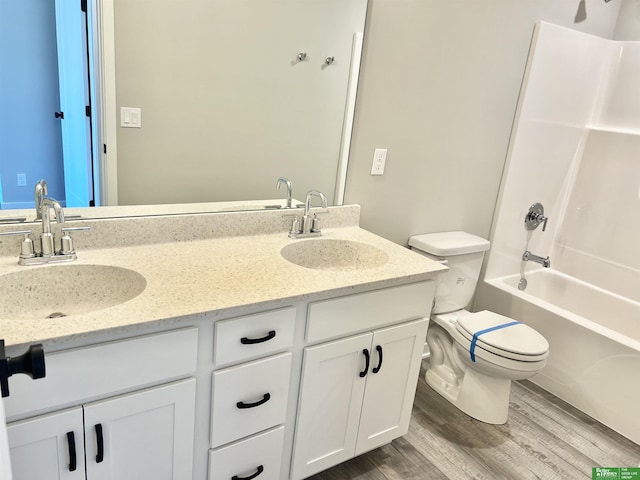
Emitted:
<point x="330" y="254"/>
<point x="63" y="290"/>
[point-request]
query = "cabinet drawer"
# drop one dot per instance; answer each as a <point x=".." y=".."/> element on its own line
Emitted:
<point x="253" y="336"/>
<point x="249" y="398"/>
<point x="81" y="374"/>
<point x="342" y="316"/>
<point x="261" y="453"/>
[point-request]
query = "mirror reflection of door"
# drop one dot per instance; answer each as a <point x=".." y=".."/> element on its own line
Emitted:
<point x="44" y="90"/>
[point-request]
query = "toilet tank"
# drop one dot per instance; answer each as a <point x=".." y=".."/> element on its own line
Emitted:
<point x="462" y="252"/>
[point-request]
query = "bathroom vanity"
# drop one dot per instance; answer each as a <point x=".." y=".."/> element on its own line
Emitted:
<point x="239" y="355"/>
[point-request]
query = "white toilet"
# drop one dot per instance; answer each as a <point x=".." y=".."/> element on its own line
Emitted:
<point x="474" y="356"/>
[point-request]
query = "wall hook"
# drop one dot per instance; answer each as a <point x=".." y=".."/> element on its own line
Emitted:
<point x="329" y="60"/>
<point x="302" y="56"/>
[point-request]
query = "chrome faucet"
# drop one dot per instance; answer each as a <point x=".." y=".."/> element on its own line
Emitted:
<point x="527" y="256"/>
<point x="39" y="193"/>
<point x="309" y="224"/>
<point x="287" y="182"/>
<point x="47" y="253"/>
<point x="46" y="236"/>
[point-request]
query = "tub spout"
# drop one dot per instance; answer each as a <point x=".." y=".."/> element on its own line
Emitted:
<point x="527" y="256"/>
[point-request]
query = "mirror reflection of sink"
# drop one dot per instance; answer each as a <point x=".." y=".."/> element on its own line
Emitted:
<point x="331" y="254"/>
<point x="63" y="290"/>
<point x="238" y="208"/>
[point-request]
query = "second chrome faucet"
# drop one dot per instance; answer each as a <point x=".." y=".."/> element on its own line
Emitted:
<point x="309" y="224"/>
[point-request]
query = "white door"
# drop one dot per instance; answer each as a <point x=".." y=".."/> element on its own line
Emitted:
<point x="5" y="461"/>
<point x="391" y="384"/>
<point x="330" y="403"/>
<point x="76" y="138"/>
<point x="49" y="447"/>
<point x="142" y="435"/>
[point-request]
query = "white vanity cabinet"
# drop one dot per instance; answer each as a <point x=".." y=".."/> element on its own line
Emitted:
<point x="49" y="447"/>
<point x="250" y="399"/>
<point x="147" y="432"/>
<point x="357" y="392"/>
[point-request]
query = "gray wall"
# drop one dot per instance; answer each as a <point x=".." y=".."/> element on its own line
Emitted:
<point x="439" y="86"/>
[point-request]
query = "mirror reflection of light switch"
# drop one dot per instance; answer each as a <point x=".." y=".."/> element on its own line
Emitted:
<point x="130" y="117"/>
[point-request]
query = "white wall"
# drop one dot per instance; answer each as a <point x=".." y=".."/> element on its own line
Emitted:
<point x="439" y="87"/>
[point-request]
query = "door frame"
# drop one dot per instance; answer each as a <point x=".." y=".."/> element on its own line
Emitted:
<point x="102" y="61"/>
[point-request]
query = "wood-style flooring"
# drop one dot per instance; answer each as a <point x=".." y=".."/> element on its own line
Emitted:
<point x="544" y="438"/>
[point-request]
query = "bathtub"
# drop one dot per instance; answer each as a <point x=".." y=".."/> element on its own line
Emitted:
<point x="594" y="338"/>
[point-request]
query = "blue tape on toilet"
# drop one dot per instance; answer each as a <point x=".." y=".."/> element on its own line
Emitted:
<point x="472" y="347"/>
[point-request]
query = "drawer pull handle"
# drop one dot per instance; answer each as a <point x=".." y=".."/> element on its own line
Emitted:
<point x="259" y="470"/>
<point x="251" y="341"/>
<point x="379" y="350"/>
<point x="367" y="358"/>
<point x="100" y="440"/>
<point x="265" y="399"/>
<point x="71" y="442"/>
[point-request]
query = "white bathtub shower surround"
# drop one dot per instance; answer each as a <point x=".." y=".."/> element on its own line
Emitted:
<point x="574" y="148"/>
<point x="570" y="152"/>
<point x="594" y="355"/>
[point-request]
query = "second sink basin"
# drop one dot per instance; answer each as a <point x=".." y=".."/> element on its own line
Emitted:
<point x="63" y="290"/>
<point x="331" y="254"/>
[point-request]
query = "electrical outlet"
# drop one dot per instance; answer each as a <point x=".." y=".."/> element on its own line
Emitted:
<point x="22" y="180"/>
<point x="379" y="159"/>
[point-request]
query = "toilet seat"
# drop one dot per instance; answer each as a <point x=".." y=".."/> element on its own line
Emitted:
<point x="515" y="341"/>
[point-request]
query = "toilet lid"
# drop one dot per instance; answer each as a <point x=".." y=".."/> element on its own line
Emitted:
<point x="514" y="341"/>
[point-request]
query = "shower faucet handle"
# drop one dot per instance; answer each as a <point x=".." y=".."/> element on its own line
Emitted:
<point x="534" y="217"/>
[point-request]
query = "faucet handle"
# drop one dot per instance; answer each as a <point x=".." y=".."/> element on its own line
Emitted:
<point x="26" y="246"/>
<point x="66" y="242"/>
<point x="534" y="217"/>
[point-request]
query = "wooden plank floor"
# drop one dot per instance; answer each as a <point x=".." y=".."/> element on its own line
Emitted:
<point x="544" y="438"/>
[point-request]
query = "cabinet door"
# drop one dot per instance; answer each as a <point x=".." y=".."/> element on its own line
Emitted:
<point x="50" y="447"/>
<point x="330" y="403"/>
<point x="142" y="435"/>
<point x="391" y="384"/>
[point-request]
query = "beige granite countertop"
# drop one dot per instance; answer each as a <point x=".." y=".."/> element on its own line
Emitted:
<point x="212" y="276"/>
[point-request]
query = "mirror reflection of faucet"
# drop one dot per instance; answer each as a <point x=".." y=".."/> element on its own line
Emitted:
<point x="287" y="182"/>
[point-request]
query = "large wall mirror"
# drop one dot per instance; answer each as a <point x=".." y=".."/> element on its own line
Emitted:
<point x="226" y="96"/>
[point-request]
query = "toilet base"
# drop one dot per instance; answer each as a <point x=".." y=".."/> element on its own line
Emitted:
<point x="479" y="396"/>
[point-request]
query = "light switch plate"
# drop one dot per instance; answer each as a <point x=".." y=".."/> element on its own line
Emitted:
<point x="130" y="117"/>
